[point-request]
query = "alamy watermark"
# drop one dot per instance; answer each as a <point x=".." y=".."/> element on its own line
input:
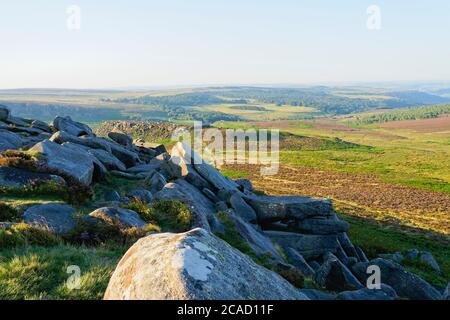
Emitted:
<point x="373" y="22"/>
<point x="74" y="280"/>
<point x="73" y="21"/>
<point x="231" y="146"/>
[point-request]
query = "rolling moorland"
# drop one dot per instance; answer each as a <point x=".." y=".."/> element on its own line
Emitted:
<point x="381" y="155"/>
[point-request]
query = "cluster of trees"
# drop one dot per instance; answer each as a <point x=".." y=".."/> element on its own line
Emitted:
<point x="426" y="112"/>
<point x="179" y="100"/>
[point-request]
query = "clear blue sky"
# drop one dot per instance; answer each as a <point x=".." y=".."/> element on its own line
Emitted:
<point x="172" y="42"/>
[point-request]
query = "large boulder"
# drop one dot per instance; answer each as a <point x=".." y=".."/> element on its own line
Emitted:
<point x="72" y="163"/>
<point x="321" y="225"/>
<point x="194" y="265"/>
<point x="19" y="178"/>
<point x="123" y="217"/>
<point x="308" y="245"/>
<point x="107" y="159"/>
<point x="384" y="293"/>
<point x="201" y="207"/>
<point x="335" y="276"/>
<point x="58" y="218"/>
<point x="406" y="284"/>
<point x="71" y="127"/>
<point x="10" y="141"/>
<point x="269" y="209"/>
<point x="41" y="125"/>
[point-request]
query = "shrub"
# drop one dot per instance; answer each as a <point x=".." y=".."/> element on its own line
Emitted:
<point x="146" y="212"/>
<point x="8" y="213"/>
<point x="93" y="233"/>
<point x="26" y="235"/>
<point x="173" y="215"/>
<point x="170" y="215"/>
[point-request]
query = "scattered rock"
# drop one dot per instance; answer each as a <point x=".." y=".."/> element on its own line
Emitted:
<point x="193" y="266"/>
<point x="309" y="246"/>
<point x="384" y="293"/>
<point x="321" y="225"/>
<point x="41" y="126"/>
<point x="62" y="159"/>
<point x="242" y="209"/>
<point x="126" y="218"/>
<point x="157" y="182"/>
<point x="406" y="284"/>
<point x="19" y="178"/>
<point x="245" y="185"/>
<point x="296" y="259"/>
<point x="446" y="294"/>
<point x="121" y="139"/>
<point x="335" y="276"/>
<point x="58" y="218"/>
<point x="10" y="141"/>
<point x="269" y="209"/>
<point x="428" y="259"/>
<point x="141" y="195"/>
<point x="314" y="294"/>
<point x="71" y="127"/>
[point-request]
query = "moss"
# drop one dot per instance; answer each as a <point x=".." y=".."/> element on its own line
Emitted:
<point x="26" y="235"/>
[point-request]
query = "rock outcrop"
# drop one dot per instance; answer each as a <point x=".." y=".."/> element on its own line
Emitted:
<point x="197" y="266"/>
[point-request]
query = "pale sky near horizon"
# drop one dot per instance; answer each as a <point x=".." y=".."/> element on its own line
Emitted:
<point x="139" y="43"/>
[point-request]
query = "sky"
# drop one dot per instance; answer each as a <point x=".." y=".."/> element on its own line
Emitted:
<point x="137" y="43"/>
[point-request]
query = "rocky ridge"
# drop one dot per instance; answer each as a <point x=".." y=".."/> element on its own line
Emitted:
<point x="295" y="237"/>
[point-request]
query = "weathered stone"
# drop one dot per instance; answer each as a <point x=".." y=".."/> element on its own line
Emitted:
<point x="396" y="257"/>
<point x="129" y="158"/>
<point x="71" y="127"/>
<point x="314" y="294"/>
<point x="428" y="259"/>
<point x="57" y="218"/>
<point x="360" y="254"/>
<point x="183" y="154"/>
<point x="107" y="159"/>
<point x="335" y="276"/>
<point x="321" y="225"/>
<point x="121" y="139"/>
<point x="62" y="159"/>
<point x="242" y="209"/>
<point x="124" y="217"/>
<point x="244" y="185"/>
<point x="210" y="195"/>
<point x="269" y="209"/>
<point x="63" y="137"/>
<point x="221" y="206"/>
<point x="201" y="207"/>
<point x="196" y="266"/>
<point x="309" y="246"/>
<point x="99" y="169"/>
<point x="19" y="178"/>
<point x="260" y="245"/>
<point x="146" y="168"/>
<point x="296" y="259"/>
<point x="41" y="126"/>
<point x="111" y="196"/>
<point x="384" y="293"/>
<point x="348" y="247"/>
<point x="10" y="141"/>
<point x="141" y="195"/>
<point x="126" y="175"/>
<point x="446" y="294"/>
<point x="157" y="182"/>
<point x="178" y="168"/>
<point x="406" y="284"/>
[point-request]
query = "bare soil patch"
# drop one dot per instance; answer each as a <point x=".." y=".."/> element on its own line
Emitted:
<point x="407" y="205"/>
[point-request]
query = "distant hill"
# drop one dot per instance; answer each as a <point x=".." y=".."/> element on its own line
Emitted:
<point x="426" y="112"/>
